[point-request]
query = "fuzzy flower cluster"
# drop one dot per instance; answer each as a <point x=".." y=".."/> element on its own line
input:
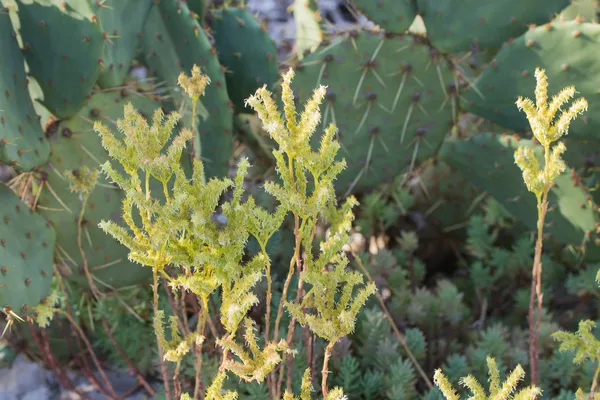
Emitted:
<point x="546" y="129"/>
<point x="497" y="389"/>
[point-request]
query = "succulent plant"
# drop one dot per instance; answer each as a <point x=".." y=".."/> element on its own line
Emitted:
<point x="63" y="46"/>
<point x="27" y="243"/>
<point x="22" y="141"/>
<point x="393" y="108"/>
<point x="246" y="51"/>
<point x="122" y="22"/>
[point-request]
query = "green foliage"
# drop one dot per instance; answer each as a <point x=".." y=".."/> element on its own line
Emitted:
<point x="570" y="219"/>
<point x="179" y="229"/>
<point x="76" y="147"/>
<point x="498" y="390"/>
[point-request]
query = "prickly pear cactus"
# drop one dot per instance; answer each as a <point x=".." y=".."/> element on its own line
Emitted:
<point x="22" y="142"/>
<point x="63" y="46"/>
<point x="198" y="7"/>
<point x="246" y="51"/>
<point x="74" y="145"/>
<point x="584" y="10"/>
<point x="487" y="160"/>
<point x="391" y="15"/>
<point x="566" y="50"/>
<point x="122" y="22"/>
<point x="172" y="42"/>
<point x="392" y="97"/>
<point x="26" y="248"/>
<point x="467" y="25"/>
<point x="309" y="29"/>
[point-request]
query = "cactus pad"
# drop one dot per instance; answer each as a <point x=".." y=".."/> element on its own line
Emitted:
<point x="391" y="15"/>
<point x="122" y="21"/>
<point x="487" y="160"/>
<point x="565" y="50"/>
<point x="22" y="142"/>
<point x="309" y="25"/>
<point x="74" y="145"/>
<point x="454" y="26"/>
<point x="62" y="44"/>
<point x="26" y="247"/>
<point x="584" y="10"/>
<point x="393" y="99"/>
<point x="172" y="42"/>
<point x="247" y="52"/>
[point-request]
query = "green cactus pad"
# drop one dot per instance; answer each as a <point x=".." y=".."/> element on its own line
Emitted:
<point x="487" y="160"/>
<point x="198" y="7"/>
<point x="22" y="141"/>
<point x="391" y="15"/>
<point x="122" y="22"/>
<point x="26" y="248"/>
<point x="309" y="29"/>
<point x="74" y="145"/>
<point x="172" y="42"/>
<point x="584" y="10"/>
<point x="454" y="26"/>
<point x="393" y="99"/>
<point x="63" y="47"/>
<point x="566" y="50"/>
<point x="247" y="52"/>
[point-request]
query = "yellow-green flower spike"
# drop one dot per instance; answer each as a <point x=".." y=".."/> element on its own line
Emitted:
<point x="541" y="116"/>
<point x="546" y="129"/>
<point x="195" y="85"/>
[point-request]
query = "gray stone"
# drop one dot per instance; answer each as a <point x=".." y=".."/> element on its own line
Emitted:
<point x="23" y="376"/>
<point x="41" y="393"/>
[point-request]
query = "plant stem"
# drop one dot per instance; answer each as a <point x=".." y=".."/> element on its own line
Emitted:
<point x="325" y="369"/>
<point x="397" y="332"/>
<point x="90" y="349"/>
<point x="269" y="295"/>
<point x="88" y="275"/>
<point x="594" y="382"/>
<point x="124" y="356"/>
<point x="198" y="362"/>
<point x="536" y="278"/>
<point x="163" y="367"/>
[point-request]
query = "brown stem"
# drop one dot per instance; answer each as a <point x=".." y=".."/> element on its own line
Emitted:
<point x="176" y="383"/>
<point x="325" y="369"/>
<point x="123" y="355"/>
<point x="388" y="316"/>
<point x="43" y="345"/>
<point x="163" y="367"/>
<point x="90" y="350"/>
